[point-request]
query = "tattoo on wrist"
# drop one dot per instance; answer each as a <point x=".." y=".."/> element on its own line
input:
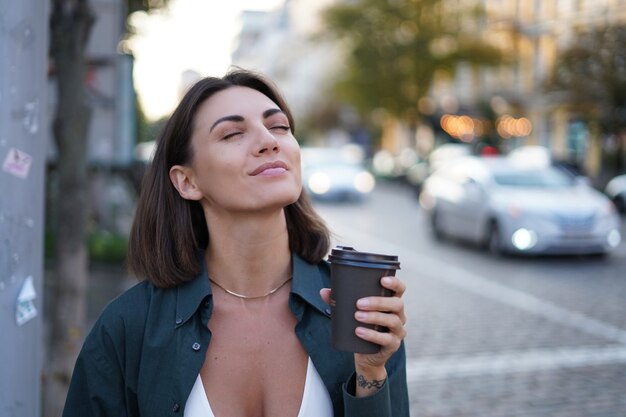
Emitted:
<point x="367" y="384"/>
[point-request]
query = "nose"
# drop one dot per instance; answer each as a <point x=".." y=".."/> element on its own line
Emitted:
<point x="267" y="142"/>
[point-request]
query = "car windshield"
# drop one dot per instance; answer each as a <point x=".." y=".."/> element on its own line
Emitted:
<point x="543" y="178"/>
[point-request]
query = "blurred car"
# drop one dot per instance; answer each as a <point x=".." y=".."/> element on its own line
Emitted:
<point x="616" y="190"/>
<point x="511" y="205"/>
<point x="537" y="154"/>
<point x="447" y="152"/>
<point x="336" y="174"/>
<point x="407" y="166"/>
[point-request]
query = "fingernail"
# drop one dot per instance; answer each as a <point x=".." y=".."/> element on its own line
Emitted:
<point x="363" y="302"/>
<point x="387" y="280"/>
<point x="360" y="315"/>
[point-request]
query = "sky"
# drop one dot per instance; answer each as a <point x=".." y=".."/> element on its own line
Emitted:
<point x="193" y="35"/>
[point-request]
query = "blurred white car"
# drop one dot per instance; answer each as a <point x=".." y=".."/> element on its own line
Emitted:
<point x="446" y="153"/>
<point x="517" y="206"/>
<point x="616" y="191"/>
<point x="335" y="174"/>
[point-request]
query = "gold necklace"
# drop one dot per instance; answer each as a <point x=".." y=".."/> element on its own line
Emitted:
<point x="251" y="297"/>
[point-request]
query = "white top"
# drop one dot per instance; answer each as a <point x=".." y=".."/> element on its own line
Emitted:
<point x="315" y="400"/>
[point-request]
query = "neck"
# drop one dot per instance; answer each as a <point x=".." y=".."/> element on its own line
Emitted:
<point x="249" y="257"/>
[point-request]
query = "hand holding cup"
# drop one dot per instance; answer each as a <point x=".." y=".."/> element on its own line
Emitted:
<point x="363" y="305"/>
<point x="367" y="312"/>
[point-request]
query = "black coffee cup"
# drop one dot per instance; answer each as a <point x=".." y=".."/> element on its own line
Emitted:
<point x="355" y="275"/>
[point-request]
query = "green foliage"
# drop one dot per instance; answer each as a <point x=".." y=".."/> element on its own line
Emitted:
<point x="107" y="247"/>
<point x="103" y="247"/>
<point x="592" y="73"/>
<point x="396" y="48"/>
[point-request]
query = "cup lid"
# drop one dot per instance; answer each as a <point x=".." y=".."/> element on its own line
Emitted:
<point x="349" y="254"/>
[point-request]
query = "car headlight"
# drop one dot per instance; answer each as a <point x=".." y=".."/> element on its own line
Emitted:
<point x="319" y="183"/>
<point x="364" y="182"/>
<point x="524" y="239"/>
<point x="614" y="238"/>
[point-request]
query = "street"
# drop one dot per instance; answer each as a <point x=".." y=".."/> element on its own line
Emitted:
<point x="497" y="337"/>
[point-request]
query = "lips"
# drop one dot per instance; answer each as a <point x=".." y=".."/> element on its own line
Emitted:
<point x="270" y="168"/>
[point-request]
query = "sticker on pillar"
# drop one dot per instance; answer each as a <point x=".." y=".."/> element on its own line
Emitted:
<point x="26" y="310"/>
<point x="17" y="163"/>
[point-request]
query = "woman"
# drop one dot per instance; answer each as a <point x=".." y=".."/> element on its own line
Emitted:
<point x="232" y="318"/>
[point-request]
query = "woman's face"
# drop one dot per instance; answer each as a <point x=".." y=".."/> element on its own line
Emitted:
<point x="244" y="155"/>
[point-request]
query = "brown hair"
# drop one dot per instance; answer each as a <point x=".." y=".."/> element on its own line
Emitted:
<point x="169" y="232"/>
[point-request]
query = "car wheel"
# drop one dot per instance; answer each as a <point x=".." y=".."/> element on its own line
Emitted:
<point x="494" y="239"/>
<point x="620" y="203"/>
<point x="435" y="224"/>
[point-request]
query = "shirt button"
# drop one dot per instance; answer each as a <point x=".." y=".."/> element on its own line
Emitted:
<point x="196" y="346"/>
<point x="328" y="311"/>
<point x="176" y="408"/>
<point x="179" y="320"/>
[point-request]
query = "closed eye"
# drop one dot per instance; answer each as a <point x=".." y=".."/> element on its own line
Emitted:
<point x="281" y="127"/>
<point x="230" y="135"/>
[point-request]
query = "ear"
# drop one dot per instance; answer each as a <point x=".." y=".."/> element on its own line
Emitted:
<point x="181" y="177"/>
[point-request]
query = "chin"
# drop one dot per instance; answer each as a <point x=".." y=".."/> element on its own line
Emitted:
<point x="286" y="194"/>
<point x="277" y="200"/>
<point x="290" y="199"/>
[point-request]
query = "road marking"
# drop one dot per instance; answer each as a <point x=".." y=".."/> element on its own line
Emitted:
<point x="500" y="363"/>
<point x="530" y="303"/>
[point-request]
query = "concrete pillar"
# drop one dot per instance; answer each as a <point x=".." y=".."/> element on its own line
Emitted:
<point x="23" y="125"/>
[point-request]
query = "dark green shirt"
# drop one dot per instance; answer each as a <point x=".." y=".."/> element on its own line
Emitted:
<point x="145" y="351"/>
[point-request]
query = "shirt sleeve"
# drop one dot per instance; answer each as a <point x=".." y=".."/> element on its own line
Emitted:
<point x="375" y="405"/>
<point x="391" y="400"/>
<point x="97" y="387"/>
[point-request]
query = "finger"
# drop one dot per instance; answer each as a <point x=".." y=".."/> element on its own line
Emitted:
<point x="389" y="342"/>
<point x="392" y="304"/>
<point x="385" y="304"/>
<point x="325" y="293"/>
<point x="390" y="321"/>
<point x="394" y="284"/>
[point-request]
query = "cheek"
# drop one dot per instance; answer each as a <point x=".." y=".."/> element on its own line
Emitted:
<point x="213" y="171"/>
<point x="297" y="167"/>
<point x="293" y="148"/>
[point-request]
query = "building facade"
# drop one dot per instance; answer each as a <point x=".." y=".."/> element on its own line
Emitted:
<point x="532" y="33"/>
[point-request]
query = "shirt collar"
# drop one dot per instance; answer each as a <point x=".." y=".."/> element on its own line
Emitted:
<point x="307" y="282"/>
<point x="308" y="279"/>
<point x="191" y="294"/>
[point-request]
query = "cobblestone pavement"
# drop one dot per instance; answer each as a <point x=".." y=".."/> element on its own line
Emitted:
<point x="498" y="351"/>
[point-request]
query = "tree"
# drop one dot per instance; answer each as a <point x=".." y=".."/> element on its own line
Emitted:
<point x="592" y="75"/>
<point x="71" y="22"/>
<point x="396" y="48"/>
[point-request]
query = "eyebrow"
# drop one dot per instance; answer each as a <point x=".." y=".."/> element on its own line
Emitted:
<point x="237" y="118"/>
<point x="271" y="112"/>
